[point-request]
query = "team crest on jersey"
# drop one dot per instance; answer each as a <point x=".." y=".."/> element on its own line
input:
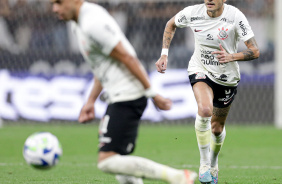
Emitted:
<point x="200" y="76"/>
<point x="222" y="33"/>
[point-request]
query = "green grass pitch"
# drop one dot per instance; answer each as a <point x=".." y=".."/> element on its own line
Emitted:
<point x="250" y="155"/>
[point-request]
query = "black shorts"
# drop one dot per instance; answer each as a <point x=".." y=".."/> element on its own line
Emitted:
<point x="223" y="95"/>
<point x="119" y="127"/>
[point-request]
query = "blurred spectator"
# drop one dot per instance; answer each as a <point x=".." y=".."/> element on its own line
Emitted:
<point x="48" y="32"/>
<point x="7" y="41"/>
<point x="65" y="67"/>
<point x="40" y="67"/>
<point x="118" y="11"/>
<point x="252" y="8"/>
<point x="146" y="21"/>
<point x="26" y="26"/>
<point x="270" y="22"/>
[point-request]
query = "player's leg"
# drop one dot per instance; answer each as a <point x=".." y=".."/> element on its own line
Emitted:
<point x="204" y="97"/>
<point x="218" y="132"/>
<point x="124" y="179"/>
<point x="224" y="96"/>
<point x="112" y="132"/>
<point x="217" y="140"/>
<point x="118" y="134"/>
<point x="144" y="168"/>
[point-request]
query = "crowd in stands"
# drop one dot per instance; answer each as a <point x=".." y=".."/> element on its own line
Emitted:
<point x="30" y="26"/>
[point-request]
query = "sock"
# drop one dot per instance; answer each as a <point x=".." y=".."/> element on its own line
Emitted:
<point x="216" y="144"/>
<point x="203" y="133"/>
<point x="140" y="168"/>
<point x="124" y="179"/>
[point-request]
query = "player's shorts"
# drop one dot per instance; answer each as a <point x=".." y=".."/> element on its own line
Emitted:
<point x="119" y="127"/>
<point x="223" y="95"/>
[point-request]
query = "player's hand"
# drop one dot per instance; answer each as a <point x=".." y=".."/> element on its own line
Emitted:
<point x="162" y="103"/>
<point x="161" y="64"/>
<point x="87" y="113"/>
<point x="222" y="55"/>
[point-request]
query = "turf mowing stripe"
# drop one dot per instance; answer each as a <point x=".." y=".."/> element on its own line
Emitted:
<point x="183" y="166"/>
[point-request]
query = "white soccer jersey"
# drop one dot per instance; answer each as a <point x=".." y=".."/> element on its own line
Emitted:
<point x="227" y="30"/>
<point x="98" y="34"/>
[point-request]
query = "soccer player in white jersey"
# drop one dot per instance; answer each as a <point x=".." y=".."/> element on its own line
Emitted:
<point x="213" y="70"/>
<point x="119" y="72"/>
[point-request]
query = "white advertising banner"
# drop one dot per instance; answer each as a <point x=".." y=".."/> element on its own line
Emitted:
<point x="61" y="97"/>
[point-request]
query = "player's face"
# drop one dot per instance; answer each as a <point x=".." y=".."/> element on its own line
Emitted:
<point x="64" y="9"/>
<point x="214" y="5"/>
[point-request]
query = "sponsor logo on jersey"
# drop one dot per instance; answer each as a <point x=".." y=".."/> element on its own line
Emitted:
<point x="197" y="30"/>
<point x="222" y="33"/>
<point x="210" y="62"/>
<point x="95" y="45"/>
<point x="227" y="92"/>
<point x="225" y="103"/>
<point x="226" y="100"/>
<point x="243" y="28"/>
<point x="182" y="18"/>
<point x="227" y="20"/>
<point x="208" y="59"/>
<point x="209" y="37"/>
<point x="200" y="76"/>
<point x="222" y="77"/>
<point x="206" y="52"/>
<point x="197" y="18"/>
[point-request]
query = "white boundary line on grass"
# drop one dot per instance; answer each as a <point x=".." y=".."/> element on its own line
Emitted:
<point x="183" y="166"/>
<point x="238" y="167"/>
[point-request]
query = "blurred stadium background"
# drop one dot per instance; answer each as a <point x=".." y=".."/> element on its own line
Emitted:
<point x="44" y="82"/>
<point x="43" y="78"/>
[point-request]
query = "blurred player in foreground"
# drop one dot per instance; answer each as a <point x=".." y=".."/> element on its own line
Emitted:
<point x="213" y="70"/>
<point x="120" y="73"/>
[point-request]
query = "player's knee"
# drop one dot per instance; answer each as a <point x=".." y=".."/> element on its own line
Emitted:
<point x="105" y="164"/>
<point x="205" y="110"/>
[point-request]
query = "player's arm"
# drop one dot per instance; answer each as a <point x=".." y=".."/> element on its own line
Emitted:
<point x="95" y="92"/>
<point x="87" y="112"/>
<point x="133" y="64"/>
<point x="168" y="35"/>
<point x="251" y="53"/>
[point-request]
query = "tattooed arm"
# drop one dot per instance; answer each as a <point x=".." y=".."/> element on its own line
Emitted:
<point x="251" y="53"/>
<point x="169" y="31"/>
